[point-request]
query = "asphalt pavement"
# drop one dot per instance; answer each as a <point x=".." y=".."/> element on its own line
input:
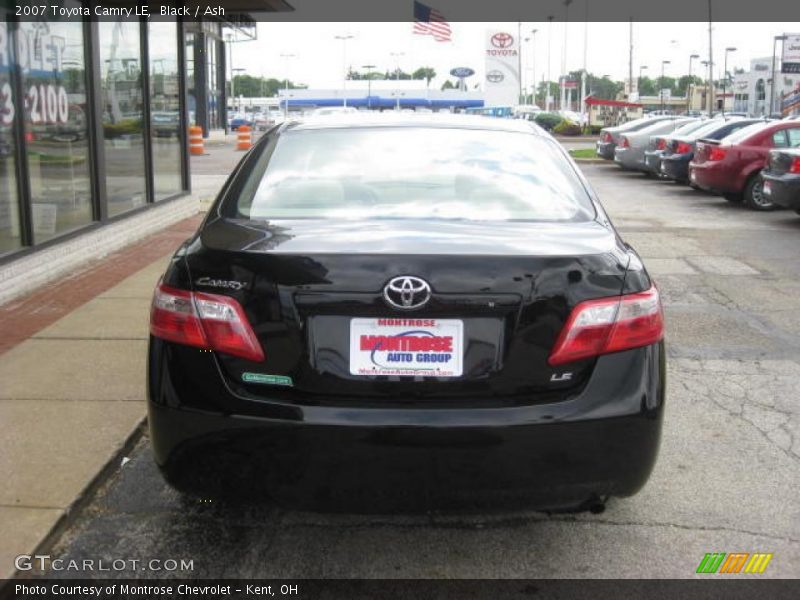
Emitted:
<point x="727" y="478"/>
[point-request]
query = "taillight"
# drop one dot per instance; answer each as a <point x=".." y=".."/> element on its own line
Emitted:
<point x="607" y="325"/>
<point x="683" y="148"/>
<point x="717" y="153"/>
<point x="625" y="143"/>
<point x="606" y="137"/>
<point x="204" y="321"/>
<point x="661" y="143"/>
<point x="795" y="168"/>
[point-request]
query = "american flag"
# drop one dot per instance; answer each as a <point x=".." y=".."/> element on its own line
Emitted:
<point x="429" y="21"/>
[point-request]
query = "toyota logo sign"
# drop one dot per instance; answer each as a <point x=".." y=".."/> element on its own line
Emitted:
<point x="407" y="292"/>
<point x="494" y="76"/>
<point x="502" y="40"/>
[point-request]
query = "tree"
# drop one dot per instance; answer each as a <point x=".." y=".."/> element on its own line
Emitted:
<point x="426" y="73"/>
<point x="449" y="85"/>
<point x="685" y="81"/>
<point x="256" y="87"/>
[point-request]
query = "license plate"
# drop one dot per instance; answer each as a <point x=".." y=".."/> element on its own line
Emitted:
<point x="768" y="188"/>
<point x="692" y="175"/>
<point x="407" y="347"/>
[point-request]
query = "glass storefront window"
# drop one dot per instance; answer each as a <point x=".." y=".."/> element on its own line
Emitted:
<point x="51" y="58"/>
<point x="9" y="202"/>
<point x="123" y="115"/>
<point x="165" y="121"/>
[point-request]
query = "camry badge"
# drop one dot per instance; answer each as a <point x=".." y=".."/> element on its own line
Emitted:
<point x="221" y="283"/>
<point x="407" y="292"/>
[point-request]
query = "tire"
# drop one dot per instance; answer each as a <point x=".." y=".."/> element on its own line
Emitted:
<point x="754" y="198"/>
<point x="732" y="198"/>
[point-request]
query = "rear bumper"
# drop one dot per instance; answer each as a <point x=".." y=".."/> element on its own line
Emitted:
<point x="606" y="150"/>
<point x="784" y="190"/>
<point x="713" y="177"/>
<point x="603" y="441"/>
<point x="675" y="168"/>
<point x="652" y="161"/>
<point x="630" y="158"/>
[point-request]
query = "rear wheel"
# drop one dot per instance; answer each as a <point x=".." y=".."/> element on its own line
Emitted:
<point x="754" y="196"/>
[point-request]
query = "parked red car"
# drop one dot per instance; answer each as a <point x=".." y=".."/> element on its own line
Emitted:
<point x="731" y="166"/>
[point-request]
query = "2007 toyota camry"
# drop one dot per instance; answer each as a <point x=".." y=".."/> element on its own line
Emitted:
<point x="409" y="311"/>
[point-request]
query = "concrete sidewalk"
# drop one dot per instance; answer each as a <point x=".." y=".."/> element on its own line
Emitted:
<point x="72" y="373"/>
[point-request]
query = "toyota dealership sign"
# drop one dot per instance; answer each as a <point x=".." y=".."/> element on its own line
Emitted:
<point x="502" y="68"/>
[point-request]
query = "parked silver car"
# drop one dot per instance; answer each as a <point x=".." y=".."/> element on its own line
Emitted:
<point x="609" y="136"/>
<point x="629" y="153"/>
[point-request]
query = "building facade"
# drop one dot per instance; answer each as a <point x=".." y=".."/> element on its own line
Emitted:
<point x="92" y="123"/>
<point x="753" y="89"/>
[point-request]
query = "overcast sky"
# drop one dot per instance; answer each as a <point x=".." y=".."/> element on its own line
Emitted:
<point x="318" y="55"/>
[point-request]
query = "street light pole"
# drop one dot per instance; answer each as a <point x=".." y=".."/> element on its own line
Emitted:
<point x="397" y="56"/>
<point x="772" y="87"/>
<point x="564" y="56"/>
<point x="689" y="83"/>
<point x="286" y="58"/>
<point x="344" y="39"/>
<point x="661" y="82"/>
<point x="369" y="85"/>
<point x="532" y="40"/>
<point x="710" y="96"/>
<point x="725" y="77"/>
<point x="547" y="83"/>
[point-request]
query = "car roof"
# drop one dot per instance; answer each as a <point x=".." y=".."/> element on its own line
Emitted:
<point x="424" y="120"/>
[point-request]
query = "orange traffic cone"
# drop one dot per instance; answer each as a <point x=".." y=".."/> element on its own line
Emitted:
<point x="196" y="140"/>
<point x="244" y="138"/>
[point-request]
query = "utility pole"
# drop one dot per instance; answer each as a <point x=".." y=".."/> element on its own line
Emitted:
<point x="661" y="84"/>
<point x="710" y="96"/>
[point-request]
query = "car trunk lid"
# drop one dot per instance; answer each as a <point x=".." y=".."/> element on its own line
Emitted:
<point x="503" y="292"/>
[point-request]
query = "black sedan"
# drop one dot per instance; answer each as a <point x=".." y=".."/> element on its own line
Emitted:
<point x="397" y="312"/>
<point x="679" y="150"/>
<point x="781" y="178"/>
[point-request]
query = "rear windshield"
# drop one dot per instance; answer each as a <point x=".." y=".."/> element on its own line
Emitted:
<point x="689" y="128"/>
<point x="744" y="133"/>
<point x="411" y="172"/>
<point x="708" y="127"/>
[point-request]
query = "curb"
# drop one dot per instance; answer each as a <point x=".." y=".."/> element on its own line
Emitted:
<point x="85" y="496"/>
<point x="591" y="161"/>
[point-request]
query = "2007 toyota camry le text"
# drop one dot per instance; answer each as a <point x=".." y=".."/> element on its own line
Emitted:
<point x="394" y="312"/>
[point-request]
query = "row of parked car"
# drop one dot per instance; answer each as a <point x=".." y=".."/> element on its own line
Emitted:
<point x="753" y="161"/>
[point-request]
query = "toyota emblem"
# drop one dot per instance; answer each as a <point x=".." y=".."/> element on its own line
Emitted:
<point x="502" y="40"/>
<point x="407" y="292"/>
<point x="494" y="76"/>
